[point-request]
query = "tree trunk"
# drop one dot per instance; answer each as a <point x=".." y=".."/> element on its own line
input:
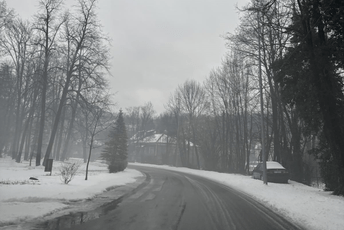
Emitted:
<point x="58" y="116"/>
<point x="89" y="157"/>
<point x="28" y="141"/>
<point x="195" y="146"/>
<point x="42" y="118"/>
<point x="24" y="134"/>
<point x="26" y="127"/>
<point x="16" y="138"/>
<point x="60" y="137"/>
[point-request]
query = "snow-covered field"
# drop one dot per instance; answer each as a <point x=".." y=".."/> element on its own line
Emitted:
<point x="22" y="199"/>
<point x="25" y="200"/>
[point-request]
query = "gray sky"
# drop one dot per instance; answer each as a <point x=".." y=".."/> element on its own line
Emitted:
<point x="158" y="44"/>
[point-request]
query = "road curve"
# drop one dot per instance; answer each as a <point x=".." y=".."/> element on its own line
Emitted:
<point x="177" y="201"/>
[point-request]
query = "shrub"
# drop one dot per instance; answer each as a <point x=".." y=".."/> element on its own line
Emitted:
<point x="117" y="166"/>
<point x="68" y="171"/>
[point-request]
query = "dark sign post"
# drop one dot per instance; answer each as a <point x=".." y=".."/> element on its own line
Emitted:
<point x="48" y="166"/>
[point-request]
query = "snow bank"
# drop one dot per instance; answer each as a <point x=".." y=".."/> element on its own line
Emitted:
<point x="23" y="199"/>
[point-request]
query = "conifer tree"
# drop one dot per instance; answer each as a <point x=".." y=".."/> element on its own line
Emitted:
<point x="115" y="152"/>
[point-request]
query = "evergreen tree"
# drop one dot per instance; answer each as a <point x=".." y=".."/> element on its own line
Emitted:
<point x="115" y="152"/>
<point x="310" y="77"/>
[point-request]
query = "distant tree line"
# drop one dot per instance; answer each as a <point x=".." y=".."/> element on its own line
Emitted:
<point x="53" y="91"/>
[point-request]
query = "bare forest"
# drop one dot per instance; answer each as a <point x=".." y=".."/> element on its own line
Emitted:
<point x="54" y="96"/>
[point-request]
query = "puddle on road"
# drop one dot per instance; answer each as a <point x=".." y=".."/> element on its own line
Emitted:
<point x="77" y="218"/>
<point x="72" y="219"/>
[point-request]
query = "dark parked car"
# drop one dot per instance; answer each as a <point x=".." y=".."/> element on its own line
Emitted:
<point x="275" y="172"/>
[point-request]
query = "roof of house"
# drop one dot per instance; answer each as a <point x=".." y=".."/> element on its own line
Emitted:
<point x="158" y="137"/>
<point x="155" y="138"/>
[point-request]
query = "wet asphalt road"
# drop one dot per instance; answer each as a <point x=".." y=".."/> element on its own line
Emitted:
<point x="176" y="201"/>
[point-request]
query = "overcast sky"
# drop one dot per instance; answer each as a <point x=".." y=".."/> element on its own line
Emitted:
<point x="158" y="44"/>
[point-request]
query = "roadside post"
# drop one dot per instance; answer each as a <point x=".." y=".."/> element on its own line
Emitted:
<point x="49" y="166"/>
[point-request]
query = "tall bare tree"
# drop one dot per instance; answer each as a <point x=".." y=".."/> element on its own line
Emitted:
<point x="48" y="26"/>
<point x="85" y="49"/>
<point x="193" y="103"/>
<point x="15" y="43"/>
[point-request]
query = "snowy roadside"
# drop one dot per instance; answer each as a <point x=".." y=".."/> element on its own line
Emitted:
<point x="312" y="208"/>
<point x="309" y="207"/>
<point x="22" y="199"/>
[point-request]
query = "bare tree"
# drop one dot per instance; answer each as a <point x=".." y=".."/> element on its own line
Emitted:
<point x="6" y="15"/>
<point x="84" y="47"/>
<point x="14" y="43"/>
<point x="132" y="120"/>
<point x="7" y="99"/>
<point x="193" y="103"/>
<point x="48" y="26"/>
<point x="174" y="107"/>
<point x="232" y="102"/>
<point x="146" y="116"/>
<point x="99" y="118"/>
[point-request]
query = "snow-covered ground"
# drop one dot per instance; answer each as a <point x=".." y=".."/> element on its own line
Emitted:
<point x="24" y="200"/>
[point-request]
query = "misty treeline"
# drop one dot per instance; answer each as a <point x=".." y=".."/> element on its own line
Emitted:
<point x="299" y="46"/>
<point x="53" y="88"/>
